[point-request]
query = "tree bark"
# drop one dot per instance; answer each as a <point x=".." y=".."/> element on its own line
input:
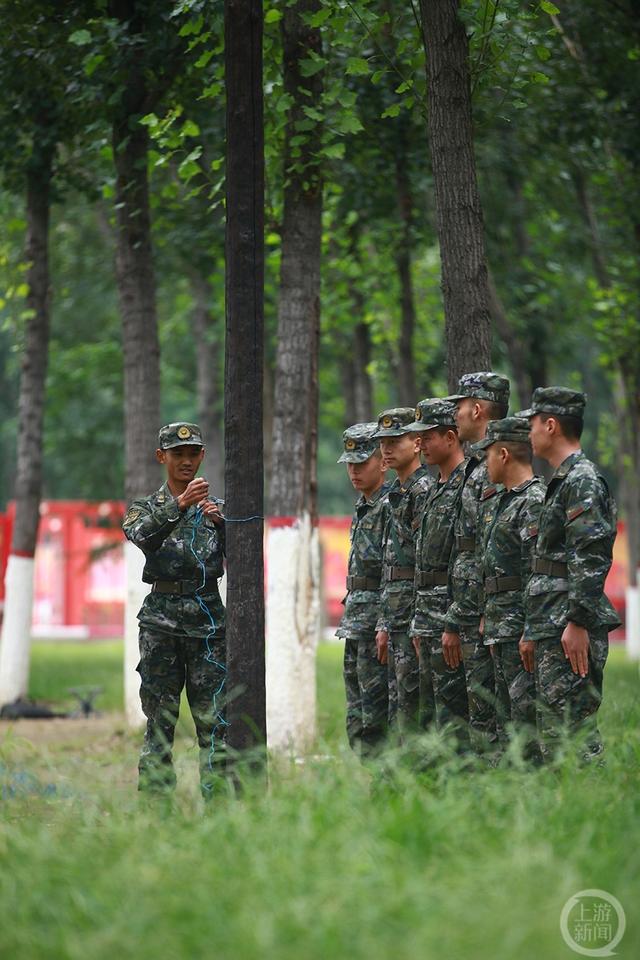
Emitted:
<point x="513" y="343"/>
<point x="16" y="629"/>
<point x="208" y="385"/>
<point x="244" y="359"/>
<point x="298" y="307"/>
<point x="407" y="391"/>
<point x="459" y="212"/>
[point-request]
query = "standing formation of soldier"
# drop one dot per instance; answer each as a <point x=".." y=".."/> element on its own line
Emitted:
<point x="475" y="601"/>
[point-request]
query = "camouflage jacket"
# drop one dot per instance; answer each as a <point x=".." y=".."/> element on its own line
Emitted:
<point x="362" y="607"/>
<point x="464" y="608"/>
<point x="434" y="544"/>
<point x="406" y="504"/>
<point x="577" y="529"/>
<point x="507" y="526"/>
<point x="173" y="543"/>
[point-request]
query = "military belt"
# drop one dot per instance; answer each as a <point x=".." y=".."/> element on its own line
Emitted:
<point x="432" y="578"/>
<point x="177" y="586"/>
<point x="362" y="583"/>
<point x="549" y="567"/>
<point x="465" y="543"/>
<point x="501" y="584"/>
<point x="398" y="573"/>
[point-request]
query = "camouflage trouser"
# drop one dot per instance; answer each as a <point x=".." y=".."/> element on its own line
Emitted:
<point x="168" y="663"/>
<point x="427" y="690"/>
<point x="404" y="676"/>
<point x="567" y="702"/>
<point x="367" y="690"/>
<point x="448" y="689"/>
<point x="478" y="668"/>
<point x="515" y="696"/>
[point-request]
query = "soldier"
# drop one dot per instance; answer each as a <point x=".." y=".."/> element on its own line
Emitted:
<point x="435" y="421"/>
<point x="400" y="447"/>
<point x="568" y="615"/>
<point x="182" y="620"/>
<point x="481" y="397"/>
<point x="365" y="669"/>
<point x="507" y="530"/>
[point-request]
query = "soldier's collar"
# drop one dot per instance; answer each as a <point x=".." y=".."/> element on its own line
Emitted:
<point x="567" y="465"/>
<point x="525" y="483"/>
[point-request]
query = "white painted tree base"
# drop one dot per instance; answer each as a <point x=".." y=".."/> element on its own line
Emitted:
<point x="15" y="643"/>
<point x="292" y="634"/>
<point x="632" y="626"/>
<point x="136" y="592"/>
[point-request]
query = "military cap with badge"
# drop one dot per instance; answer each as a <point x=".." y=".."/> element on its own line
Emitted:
<point x="395" y="422"/>
<point x="434" y="412"/>
<point x="359" y="443"/>
<point x="180" y="434"/>
<point x="482" y="385"/>
<point x="509" y="430"/>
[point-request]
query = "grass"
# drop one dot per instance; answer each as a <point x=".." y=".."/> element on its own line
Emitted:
<point x="331" y="861"/>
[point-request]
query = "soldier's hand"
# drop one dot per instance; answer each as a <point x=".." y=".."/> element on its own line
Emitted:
<point x="527" y="654"/>
<point x="382" y="645"/>
<point x="416" y="645"/>
<point x="197" y="491"/>
<point x="451" y="649"/>
<point x="211" y="510"/>
<point x="575" y="643"/>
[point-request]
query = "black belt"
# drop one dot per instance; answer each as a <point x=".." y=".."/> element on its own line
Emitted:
<point x="465" y="543"/>
<point x="399" y="573"/>
<point x="501" y="584"/>
<point x="177" y="586"/>
<point x="362" y="583"/>
<point x="549" y="567"/>
<point x="432" y="578"/>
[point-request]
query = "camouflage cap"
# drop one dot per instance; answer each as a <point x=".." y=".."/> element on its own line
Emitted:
<point x="559" y="400"/>
<point x="434" y="412"/>
<point x="483" y="385"/>
<point x="513" y="429"/>
<point x="395" y="422"/>
<point x="358" y="442"/>
<point x="179" y="435"/>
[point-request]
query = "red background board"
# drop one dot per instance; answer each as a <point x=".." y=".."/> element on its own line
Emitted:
<point x="80" y="577"/>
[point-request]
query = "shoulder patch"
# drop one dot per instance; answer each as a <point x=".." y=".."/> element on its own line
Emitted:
<point x="531" y="531"/>
<point x="488" y="492"/>
<point x="577" y="510"/>
<point x="132" y="514"/>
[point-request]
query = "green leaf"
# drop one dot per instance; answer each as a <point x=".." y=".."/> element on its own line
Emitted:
<point x="150" y="120"/>
<point x="549" y="8"/>
<point x="204" y="58"/>
<point x="543" y="53"/>
<point x="349" y="123"/>
<point x="272" y="16"/>
<point x="320" y="17"/>
<point x="357" y="67"/>
<point x="538" y="77"/>
<point x="334" y="151"/>
<point x="80" y="38"/>
<point x="190" y="129"/>
<point x="310" y="67"/>
<point x="313" y="114"/>
<point x="392" y="111"/>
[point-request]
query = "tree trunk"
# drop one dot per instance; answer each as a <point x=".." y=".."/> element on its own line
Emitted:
<point x="516" y="348"/>
<point x="363" y="399"/>
<point x="407" y="391"/>
<point x="16" y="627"/>
<point x="293" y="564"/>
<point x="208" y="375"/>
<point x="244" y="359"/>
<point x="459" y="212"/>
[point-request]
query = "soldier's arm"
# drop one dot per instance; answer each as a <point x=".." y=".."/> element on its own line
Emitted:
<point x="529" y="519"/>
<point x="589" y="530"/>
<point x="149" y="526"/>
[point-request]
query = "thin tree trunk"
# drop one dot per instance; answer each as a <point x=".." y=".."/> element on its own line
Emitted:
<point x="362" y="379"/>
<point x="348" y="376"/>
<point x="407" y="391"/>
<point x="513" y="343"/>
<point x="244" y="360"/>
<point x="459" y="212"/>
<point x="293" y="548"/>
<point x="16" y="631"/>
<point x="208" y="385"/>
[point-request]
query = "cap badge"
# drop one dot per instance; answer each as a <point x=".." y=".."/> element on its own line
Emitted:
<point x="387" y="422"/>
<point x="184" y="433"/>
<point x="350" y="445"/>
<point x="418" y="413"/>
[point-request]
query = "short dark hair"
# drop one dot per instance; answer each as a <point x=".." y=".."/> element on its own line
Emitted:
<point x="495" y="409"/>
<point x="521" y="452"/>
<point x="570" y="427"/>
<point x="443" y="431"/>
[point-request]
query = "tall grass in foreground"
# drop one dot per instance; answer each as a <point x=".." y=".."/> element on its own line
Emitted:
<point x="332" y="860"/>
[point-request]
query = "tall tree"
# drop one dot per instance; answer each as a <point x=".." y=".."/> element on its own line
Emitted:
<point x="459" y="212"/>
<point x="244" y="350"/>
<point x="293" y="557"/>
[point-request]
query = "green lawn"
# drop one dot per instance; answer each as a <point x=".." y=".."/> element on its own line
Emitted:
<point x="330" y="861"/>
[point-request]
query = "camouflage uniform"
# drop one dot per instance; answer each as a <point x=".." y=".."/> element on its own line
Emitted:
<point x="571" y="561"/>
<point x="365" y="678"/>
<point x="406" y="503"/>
<point x="434" y="543"/>
<point x="179" y="645"/>
<point x="463" y="614"/>
<point x="507" y="526"/>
